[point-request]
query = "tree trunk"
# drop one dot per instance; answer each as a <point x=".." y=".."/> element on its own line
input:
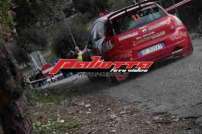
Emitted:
<point x="12" y="104"/>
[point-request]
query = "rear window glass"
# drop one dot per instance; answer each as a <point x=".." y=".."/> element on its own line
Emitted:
<point x="137" y="18"/>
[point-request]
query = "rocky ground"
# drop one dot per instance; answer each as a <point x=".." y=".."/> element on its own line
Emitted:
<point x="97" y="114"/>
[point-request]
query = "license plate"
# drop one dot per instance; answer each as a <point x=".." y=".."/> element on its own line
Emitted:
<point x="152" y="49"/>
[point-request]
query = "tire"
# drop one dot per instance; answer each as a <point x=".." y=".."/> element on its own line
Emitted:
<point x="96" y="78"/>
<point x="119" y="77"/>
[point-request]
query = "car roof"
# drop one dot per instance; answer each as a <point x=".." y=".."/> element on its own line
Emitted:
<point x="105" y="17"/>
<point x="119" y="12"/>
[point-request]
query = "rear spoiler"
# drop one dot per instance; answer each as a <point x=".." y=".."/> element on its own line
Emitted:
<point x="177" y="5"/>
<point x="171" y="8"/>
<point x="133" y="5"/>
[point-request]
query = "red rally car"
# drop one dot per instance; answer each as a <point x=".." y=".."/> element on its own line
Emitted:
<point x="140" y="32"/>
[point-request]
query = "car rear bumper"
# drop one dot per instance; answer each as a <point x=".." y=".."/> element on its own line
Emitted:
<point x="175" y="48"/>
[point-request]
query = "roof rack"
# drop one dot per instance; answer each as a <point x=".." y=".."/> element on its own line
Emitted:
<point x="126" y="8"/>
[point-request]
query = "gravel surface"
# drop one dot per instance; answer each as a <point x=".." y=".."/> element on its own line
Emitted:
<point x="173" y="87"/>
<point x="104" y="115"/>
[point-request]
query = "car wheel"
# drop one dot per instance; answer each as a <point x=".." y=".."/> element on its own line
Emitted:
<point x="119" y="77"/>
<point x="96" y="78"/>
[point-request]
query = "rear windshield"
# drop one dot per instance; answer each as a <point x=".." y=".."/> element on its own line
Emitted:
<point x="137" y="18"/>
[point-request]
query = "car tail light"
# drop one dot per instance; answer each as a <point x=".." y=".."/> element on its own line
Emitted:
<point x="176" y="22"/>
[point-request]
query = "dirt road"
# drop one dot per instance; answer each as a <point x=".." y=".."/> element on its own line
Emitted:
<point x="171" y="89"/>
<point x="175" y="86"/>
